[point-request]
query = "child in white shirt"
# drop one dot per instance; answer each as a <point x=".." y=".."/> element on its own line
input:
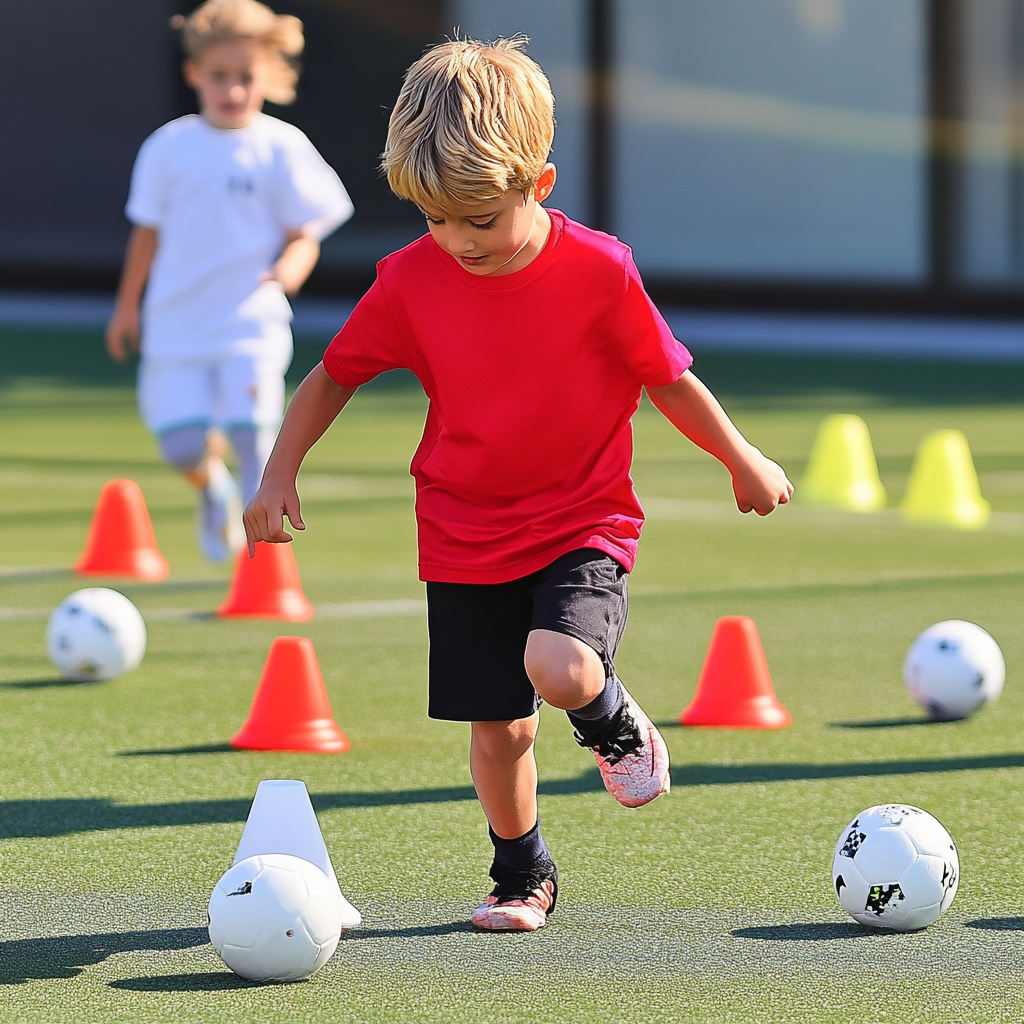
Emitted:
<point x="229" y="208"/>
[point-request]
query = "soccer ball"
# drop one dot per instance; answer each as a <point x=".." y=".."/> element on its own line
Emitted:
<point x="953" y="668"/>
<point x="275" y="917"/>
<point x="895" y="867"/>
<point x="95" y="633"/>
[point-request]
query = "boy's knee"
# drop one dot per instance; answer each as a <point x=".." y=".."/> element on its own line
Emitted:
<point x="505" y="739"/>
<point x="185" y="448"/>
<point x="563" y="670"/>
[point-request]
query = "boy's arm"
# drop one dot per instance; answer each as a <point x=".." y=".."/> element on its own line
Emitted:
<point x="316" y="403"/>
<point x="757" y="482"/>
<point x="124" y="323"/>
<point x="296" y="262"/>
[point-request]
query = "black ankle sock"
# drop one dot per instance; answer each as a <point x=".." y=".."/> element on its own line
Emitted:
<point x="523" y="853"/>
<point x="593" y="715"/>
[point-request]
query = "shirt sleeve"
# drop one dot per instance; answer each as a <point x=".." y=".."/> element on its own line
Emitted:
<point x="147" y="192"/>
<point x="644" y="340"/>
<point x="368" y="344"/>
<point x="310" y="196"/>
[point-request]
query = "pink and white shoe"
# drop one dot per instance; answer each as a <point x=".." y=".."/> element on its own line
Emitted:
<point x="631" y="755"/>
<point x="521" y="901"/>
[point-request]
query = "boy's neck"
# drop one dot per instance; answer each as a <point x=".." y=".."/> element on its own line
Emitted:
<point x="214" y="122"/>
<point x="532" y="248"/>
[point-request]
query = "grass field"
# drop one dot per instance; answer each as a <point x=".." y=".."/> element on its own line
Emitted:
<point x="121" y="804"/>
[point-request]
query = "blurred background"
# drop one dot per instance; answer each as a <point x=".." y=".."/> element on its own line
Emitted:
<point x="836" y="176"/>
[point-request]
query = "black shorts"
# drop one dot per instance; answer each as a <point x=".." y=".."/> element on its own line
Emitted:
<point x="478" y="632"/>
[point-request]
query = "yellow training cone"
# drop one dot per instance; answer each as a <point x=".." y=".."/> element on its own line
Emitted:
<point x="842" y="470"/>
<point x="943" y="484"/>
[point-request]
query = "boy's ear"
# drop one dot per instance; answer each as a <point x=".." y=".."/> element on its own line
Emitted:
<point x="188" y="71"/>
<point x="545" y="183"/>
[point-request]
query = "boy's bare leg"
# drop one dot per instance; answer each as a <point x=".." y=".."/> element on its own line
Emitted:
<point x="505" y="774"/>
<point x="197" y="454"/>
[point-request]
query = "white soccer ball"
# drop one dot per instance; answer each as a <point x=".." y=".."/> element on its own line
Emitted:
<point x="275" y="918"/>
<point x="953" y="668"/>
<point x="895" y="867"/>
<point x="95" y="633"/>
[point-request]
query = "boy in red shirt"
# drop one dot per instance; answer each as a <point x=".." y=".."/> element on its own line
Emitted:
<point x="532" y="337"/>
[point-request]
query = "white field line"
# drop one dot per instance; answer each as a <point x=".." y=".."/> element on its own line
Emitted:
<point x="711" y="511"/>
<point x="345" y="610"/>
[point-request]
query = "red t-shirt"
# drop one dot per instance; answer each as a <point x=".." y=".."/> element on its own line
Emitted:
<point x="533" y="379"/>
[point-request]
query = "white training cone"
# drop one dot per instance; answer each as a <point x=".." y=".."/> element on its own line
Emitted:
<point x="282" y="820"/>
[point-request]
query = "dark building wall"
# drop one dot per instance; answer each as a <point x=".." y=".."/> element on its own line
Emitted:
<point x="83" y="82"/>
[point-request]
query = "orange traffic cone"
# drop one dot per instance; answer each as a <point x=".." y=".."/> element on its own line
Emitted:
<point x="735" y="688"/>
<point x="267" y="587"/>
<point x="121" y="541"/>
<point x="290" y="710"/>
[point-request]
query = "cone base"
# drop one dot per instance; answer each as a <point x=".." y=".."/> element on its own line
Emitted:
<point x="286" y="607"/>
<point x="758" y="713"/>
<point x="149" y="570"/>
<point x="323" y="737"/>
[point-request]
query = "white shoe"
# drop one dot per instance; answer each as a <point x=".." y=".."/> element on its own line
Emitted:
<point x="219" y="516"/>
<point x="631" y="755"/>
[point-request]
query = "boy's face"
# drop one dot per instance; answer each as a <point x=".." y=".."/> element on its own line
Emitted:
<point x="497" y="237"/>
<point x="229" y="79"/>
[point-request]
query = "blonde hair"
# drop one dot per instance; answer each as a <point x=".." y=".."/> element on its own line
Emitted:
<point x="223" y="21"/>
<point x="473" y="121"/>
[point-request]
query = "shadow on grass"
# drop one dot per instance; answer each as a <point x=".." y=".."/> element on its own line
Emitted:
<point x="420" y="931"/>
<point x="886" y="723"/>
<point x="46" y="684"/>
<point x="997" y="924"/>
<point x="201" y="981"/>
<point x="209" y="748"/>
<point x="65" y="956"/>
<point x="32" y="819"/>
<point x="826" y="932"/>
<point x="736" y="774"/>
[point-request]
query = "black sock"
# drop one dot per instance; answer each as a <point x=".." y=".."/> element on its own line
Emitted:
<point x="592" y="716"/>
<point x="520" y="854"/>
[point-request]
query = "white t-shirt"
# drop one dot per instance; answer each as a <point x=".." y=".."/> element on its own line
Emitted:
<point x="222" y="200"/>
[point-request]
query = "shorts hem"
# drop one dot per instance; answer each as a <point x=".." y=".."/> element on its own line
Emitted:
<point x="599" y="647"/>
<point x="182" y="424"/>
<point x="461" y="715"/>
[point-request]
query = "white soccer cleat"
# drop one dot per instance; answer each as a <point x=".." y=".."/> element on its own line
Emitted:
<point x="631" y="755"/>
<point x="219" y="527"/>
<point x="521" y="901"/>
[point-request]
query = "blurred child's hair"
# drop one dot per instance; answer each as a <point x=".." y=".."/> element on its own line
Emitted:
<point x="472" y="122"/>
<point x="223" y="21"/>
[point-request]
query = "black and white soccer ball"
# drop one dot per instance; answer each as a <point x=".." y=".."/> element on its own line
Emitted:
<point x="895" y="867"/>
<point x="95" y="633"/>
<point x="953" y="668"/>
<point x="275" y="917"/>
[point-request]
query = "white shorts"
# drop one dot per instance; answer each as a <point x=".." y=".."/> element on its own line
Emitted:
<point x="232" y="390"/>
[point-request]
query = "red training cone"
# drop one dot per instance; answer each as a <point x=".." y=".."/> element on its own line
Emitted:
<point x="121" y="541"/>
<point x="735" y="688"/>
<point x="267" y="587"/>
<point x="290" y="710"/>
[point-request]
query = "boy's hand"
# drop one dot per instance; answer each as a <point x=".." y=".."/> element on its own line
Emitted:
<point x="264" y="516"/>
<point x="759" y="484"/>
<point x="123" y="326"/>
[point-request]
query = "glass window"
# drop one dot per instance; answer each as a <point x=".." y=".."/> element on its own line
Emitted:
<point x="776" y="139"/>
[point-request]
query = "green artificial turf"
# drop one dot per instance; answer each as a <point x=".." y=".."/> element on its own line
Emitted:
<point x="121" y="804"/>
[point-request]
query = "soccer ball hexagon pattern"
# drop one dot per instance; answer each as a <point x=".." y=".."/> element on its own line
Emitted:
<point x="275" y="917"/>
<point x="95" y="633"/>
<point x="895" y="867"/>
<point x="953" y="668"/>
